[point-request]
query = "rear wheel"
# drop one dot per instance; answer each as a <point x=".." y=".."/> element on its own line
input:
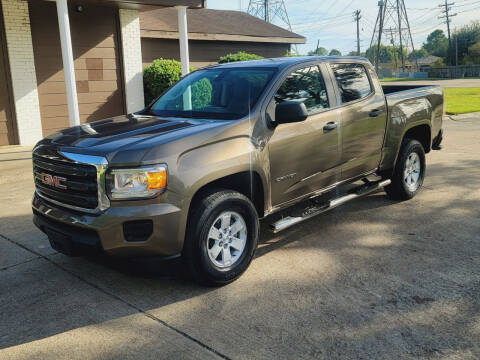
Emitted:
<point x="409" y="171"/>
<point x="221" y="238"/>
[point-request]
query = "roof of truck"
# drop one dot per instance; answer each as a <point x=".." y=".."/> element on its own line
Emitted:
<point x="287" y="61"/>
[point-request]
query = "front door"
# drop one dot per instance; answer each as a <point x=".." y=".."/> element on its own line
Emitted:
<point x="304" y="156"/>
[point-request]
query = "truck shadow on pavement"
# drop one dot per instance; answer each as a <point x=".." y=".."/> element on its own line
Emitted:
<point x="374" y="278"/>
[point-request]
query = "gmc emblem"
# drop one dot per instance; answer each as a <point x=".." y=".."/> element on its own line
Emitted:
<point x="55" y="181"/>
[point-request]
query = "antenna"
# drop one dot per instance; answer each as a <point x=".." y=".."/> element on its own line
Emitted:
<point x="271" y="11"/>
<point x="392" y="14"/>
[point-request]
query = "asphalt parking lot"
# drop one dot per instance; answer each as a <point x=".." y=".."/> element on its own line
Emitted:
<point x="372" y="279"/>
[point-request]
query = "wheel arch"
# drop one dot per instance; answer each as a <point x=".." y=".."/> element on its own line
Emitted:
<point x="422" y="133"/>
<point x="248" y="183"/>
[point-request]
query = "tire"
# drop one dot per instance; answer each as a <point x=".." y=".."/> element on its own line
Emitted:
<point x="202" y="242"/>
<point x="409" y="172"/>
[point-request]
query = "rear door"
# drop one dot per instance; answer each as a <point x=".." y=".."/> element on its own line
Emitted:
<point x="304" y="157"/>
<point x="364" y="117"/>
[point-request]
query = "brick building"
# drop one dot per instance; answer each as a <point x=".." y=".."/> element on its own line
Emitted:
<point x="67" y="62"/>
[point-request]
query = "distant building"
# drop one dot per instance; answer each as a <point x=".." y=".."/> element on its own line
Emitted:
<point x="427" y="60"/>
<point x="211" y="33"/>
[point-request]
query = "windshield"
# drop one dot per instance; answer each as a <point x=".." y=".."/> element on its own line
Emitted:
<point x="217" y="93"/>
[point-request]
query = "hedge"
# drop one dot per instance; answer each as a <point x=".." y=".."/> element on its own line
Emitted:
<point x="159" y="76"/>
<point x="239" y="56"/>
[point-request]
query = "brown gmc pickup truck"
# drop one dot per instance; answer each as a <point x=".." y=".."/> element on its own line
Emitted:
<point x="193" y="172"/>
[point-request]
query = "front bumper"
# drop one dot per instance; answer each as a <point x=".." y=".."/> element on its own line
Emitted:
<point x="71" y="232"/>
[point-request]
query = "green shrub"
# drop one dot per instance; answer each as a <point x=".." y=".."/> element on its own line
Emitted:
<point x="239" y="56"/>
<point x="201" y="93"/>
<point x="159" y="76"/>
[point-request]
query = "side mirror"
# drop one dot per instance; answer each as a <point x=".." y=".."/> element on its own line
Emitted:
<point x="290" y="112"/>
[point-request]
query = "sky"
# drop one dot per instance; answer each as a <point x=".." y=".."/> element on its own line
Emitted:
<point x="332" y="21"/>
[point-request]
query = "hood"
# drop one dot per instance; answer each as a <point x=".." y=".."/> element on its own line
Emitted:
<point x="128" y="134"/>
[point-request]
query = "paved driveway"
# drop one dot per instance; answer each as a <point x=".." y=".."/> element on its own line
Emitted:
<point x="372" y="279"/>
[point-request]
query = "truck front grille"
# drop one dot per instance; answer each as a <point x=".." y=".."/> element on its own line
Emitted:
<point x="66" y="182"/>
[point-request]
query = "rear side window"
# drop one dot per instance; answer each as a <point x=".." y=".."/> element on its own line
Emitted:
<point x="352" y="80"/>
<point x="305" y="85"/>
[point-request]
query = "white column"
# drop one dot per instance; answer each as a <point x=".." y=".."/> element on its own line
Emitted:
<point x="132" y="59"/>
<point x="67" y="57"/>
<point x="22" y="69"/>
<point x="183" y="33"/>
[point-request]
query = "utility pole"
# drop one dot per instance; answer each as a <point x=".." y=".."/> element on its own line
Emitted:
<point x="447" y="17"/>
<point x="380" y="4"/>
<point x="456" y="50"/>
<point x="391" y="32"/>
<point x="265" y="4"/>
<point x="400" y="32"/>
<point x="357" y="19"/>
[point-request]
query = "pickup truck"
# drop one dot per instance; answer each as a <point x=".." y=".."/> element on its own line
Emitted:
<point x="192" y="173"/>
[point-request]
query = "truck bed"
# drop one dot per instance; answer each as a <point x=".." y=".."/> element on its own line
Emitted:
<point x="390" y="89"/>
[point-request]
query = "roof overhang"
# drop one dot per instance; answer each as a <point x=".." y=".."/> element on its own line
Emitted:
<point x="138" y="4"/>
<point x="156" y="34"/>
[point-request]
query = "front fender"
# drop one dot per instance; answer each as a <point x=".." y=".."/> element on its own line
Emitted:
<point x="203" y="165"/>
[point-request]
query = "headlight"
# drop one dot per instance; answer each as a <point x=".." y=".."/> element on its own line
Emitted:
<point x="140" y="183"/>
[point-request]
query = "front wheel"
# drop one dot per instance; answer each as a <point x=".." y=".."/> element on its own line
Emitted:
<point x="409" y="171"/>
<point x="221" y="238"/>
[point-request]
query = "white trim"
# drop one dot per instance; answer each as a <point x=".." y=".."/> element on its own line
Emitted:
<point x="68" y="66"/>
<point x="22" y="69"/>
<point x="161" y="34"/>
<point x="183" y="34"/>
<point x="132" y="59"/>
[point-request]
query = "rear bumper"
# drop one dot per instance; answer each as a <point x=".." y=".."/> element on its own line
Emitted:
<point x="126" y="231"/>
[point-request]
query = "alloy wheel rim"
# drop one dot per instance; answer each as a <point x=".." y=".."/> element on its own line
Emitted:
<point x="411" y="174"/>
<point x="227" y="238"/>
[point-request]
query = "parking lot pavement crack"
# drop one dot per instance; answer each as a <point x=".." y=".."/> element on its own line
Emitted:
<point x="116" y="297"/>
<point x="20" y="263"/>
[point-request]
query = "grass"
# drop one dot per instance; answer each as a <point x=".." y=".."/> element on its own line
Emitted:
<point x="462" y="100"/>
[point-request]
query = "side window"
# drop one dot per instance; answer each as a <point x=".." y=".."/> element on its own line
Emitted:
<point x="352" y="80"/>
<point x="305" y="85"/>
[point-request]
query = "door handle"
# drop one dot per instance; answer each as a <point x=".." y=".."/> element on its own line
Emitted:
<point x="330" y="126"/>
<point x="375" y="112"/>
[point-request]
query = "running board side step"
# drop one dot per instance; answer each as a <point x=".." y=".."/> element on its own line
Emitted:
<point x="310" y="212"/>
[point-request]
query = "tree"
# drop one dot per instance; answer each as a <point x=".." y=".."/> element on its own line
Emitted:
<point x="466" y="37"/>
<point x="417" y="54"/>
<point x="437" y="44"/>
<point x="335" y="52"/>
<point x="438" y="63"/>
<point x="474" y="50"/>
<point x="386" y="54"/>
<point x="321" y="51"/>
